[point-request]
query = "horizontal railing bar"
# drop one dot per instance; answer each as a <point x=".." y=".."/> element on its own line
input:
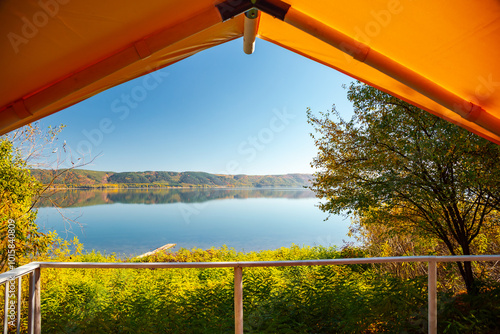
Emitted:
<point x="18" y="272"/>
<point x="136" y="265"/>
<point x="466" y="258"/>
<point x="158" y="265"/>
<point x="34" y="268"/>
<point x="26" y="269"/>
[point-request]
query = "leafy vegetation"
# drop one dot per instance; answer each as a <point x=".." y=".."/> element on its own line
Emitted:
<point x="313" y="299"/>
<point x="379" y="240"/>
<point x="80" y="178"/>
<point x="309" y="299"/>
<point x="396" y="165"/>
<point x="20" y="234"/>
<point x="20" y="191"/>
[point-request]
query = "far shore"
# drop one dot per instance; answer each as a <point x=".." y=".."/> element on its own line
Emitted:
<point x="173" y="187"/>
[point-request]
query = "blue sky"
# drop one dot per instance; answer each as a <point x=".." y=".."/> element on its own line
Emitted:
<point x="219" y="111"/>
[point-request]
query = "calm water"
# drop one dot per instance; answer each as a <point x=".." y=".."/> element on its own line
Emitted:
<point x="132" y="222"/>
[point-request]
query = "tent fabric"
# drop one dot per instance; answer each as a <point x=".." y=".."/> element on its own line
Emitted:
<point x="56" y="53"/>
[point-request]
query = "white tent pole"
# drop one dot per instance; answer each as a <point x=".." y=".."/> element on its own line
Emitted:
<point x="250" y="28"/>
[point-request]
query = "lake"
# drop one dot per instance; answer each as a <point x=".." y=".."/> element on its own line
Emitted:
<point x="135" y="221"/>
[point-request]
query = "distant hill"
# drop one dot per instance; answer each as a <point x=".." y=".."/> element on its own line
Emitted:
<point x="81" y="178"/>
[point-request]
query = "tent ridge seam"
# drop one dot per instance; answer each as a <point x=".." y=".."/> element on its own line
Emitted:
<point x="20" y="109"/>
<point x="474" y="112"/>
<point x="142" y="49"/>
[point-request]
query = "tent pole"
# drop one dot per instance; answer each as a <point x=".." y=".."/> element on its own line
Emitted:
<point x="384" y="64"/>
<point x="250" y="28"/>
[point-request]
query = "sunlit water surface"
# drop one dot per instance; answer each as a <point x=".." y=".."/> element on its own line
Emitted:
<point x="132" y="222"/>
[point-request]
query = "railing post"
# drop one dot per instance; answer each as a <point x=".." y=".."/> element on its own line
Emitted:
<point x="19" y="296"/>
<point x="238" y="300"/>
<point x="6" y="309"/>
<point x="31" y="302"/>
<point x="432" y="307"/>
<point x="34" y="313"/>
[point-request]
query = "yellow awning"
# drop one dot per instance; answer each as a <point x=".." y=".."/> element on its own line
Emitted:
<point x="442" y="56"/>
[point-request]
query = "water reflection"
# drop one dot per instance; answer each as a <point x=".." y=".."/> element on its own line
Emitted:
<point x="79" y="198"/>
<point x="142" y="220"/>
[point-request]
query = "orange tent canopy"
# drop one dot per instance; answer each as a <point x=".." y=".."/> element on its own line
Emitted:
<point x="442" y="56"/>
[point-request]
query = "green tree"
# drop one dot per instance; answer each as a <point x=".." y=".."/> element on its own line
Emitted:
<point x="20" y="235"/>
<point x="28" y="147"/>
<point x="400" y="166"/>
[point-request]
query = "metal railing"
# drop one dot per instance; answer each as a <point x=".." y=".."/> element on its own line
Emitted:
<point x="34" y="270"/>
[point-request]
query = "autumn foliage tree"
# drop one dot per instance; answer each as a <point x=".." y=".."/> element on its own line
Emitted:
<point x="28" y="147"/>
<point x="20" y="234"/>
<point x="397" y="165"/>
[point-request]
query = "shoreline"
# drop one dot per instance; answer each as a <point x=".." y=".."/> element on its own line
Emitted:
<point x="175" y="187"/>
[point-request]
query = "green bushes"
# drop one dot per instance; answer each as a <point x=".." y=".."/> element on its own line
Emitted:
<point x="318" y="299"/>
<point x="309" y="299"/>
<point x="463" y="313"/>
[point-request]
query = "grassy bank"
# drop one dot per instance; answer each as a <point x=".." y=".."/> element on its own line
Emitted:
<point x="321" y="299"/>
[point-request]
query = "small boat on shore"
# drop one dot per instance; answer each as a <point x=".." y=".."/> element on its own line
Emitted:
<point x="162" y="248"/>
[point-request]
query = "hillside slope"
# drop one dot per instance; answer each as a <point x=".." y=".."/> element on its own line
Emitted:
<point x="81" y="178"/>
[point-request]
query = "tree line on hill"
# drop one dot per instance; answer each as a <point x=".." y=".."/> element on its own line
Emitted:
<point x="80" y="178"/>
